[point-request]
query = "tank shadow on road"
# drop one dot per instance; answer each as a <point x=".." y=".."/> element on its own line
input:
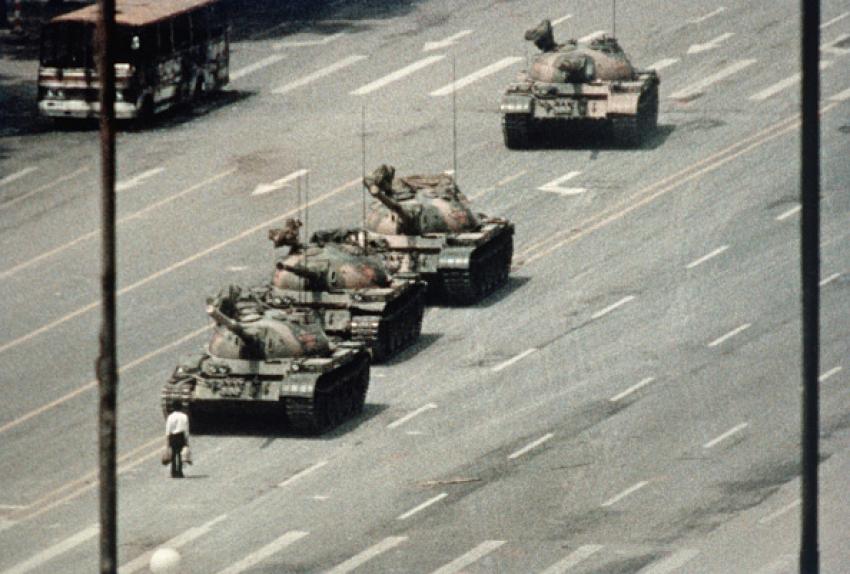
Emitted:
<point x="424" y="341"/>
<point x="595" y="138"/>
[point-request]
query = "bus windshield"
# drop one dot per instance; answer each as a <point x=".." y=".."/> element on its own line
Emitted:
<point x="72" y="45"/>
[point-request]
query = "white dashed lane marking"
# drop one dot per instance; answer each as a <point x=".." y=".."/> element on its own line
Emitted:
<point x="138" y="179"/>
<point x="265" y="188"/>
<point x="706" y="257"/>
<point x="830" y="279"/>
<point x="319" y="74"/>
<point x="422" y="506"/>
<point x="733" y="431"/>
<point x="730" y="334"/>
<point x="707" y="16"/>
<point x="841" y="96"/>
<point x="671" y="563"/>
<point x="561" y="20"/>
<point x="304" y="43"/>
<point x="265" y="552"/>
<point x="397" y="75"/>
<point x="834" y="20"/>
<point x="445" y="42"/>
<point x="612" y="307"/>
<point x="663" y="63"/>
<point x="632" y="389"/>
<point x="783" y="84"/>
<point x="774" y="515"/>
<point x="581" y="554"/>
<point x="52" y="552"/>
<point x="513" y="360"/>
<point x="710" y="45"/>
<point x="410" y="415"/>
<point x="475" y="76"/>
<point x="532" y="445"/>
<point x="17" y="175"/>
<point x="303" y="473"/>
<point x="829" y="374"/>
<point x="470" y="557"/>
<point x="789" y="213"/>
<point x="591" y="36"/>
<point x="555" y="186"/>
<point x="631" y="490"/>
<point x="356" y="561"/>
<point x="178" y="541"/>
<point x="698" y="87"/>
<point x="250" y="69"/>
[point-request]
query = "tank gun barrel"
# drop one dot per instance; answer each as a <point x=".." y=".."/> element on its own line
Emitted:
<point x="229" y="324"/>
<point x="381" y="195"/>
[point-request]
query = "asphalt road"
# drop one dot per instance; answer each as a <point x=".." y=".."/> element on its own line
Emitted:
<point x="628" y="403"/>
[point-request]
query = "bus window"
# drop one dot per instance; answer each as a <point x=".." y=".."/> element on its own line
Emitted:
<point x="165" y="44"/>
<point x="199" y="22"/>
<point x="182" y="33"/>
<point x="67" y="45"/>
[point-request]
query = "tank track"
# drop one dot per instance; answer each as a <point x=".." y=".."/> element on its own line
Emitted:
<point x="395" y="331"/>
<point x="338" y="397"/>
<point x="516" y="130"/>
<point x="488" y="270"/>
<point x="174" y="392"/>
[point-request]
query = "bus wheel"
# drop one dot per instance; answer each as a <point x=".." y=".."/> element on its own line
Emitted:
<point x="200" y="88"/>
<point x="145" y="112"/>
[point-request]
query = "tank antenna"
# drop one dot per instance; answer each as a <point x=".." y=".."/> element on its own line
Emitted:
<point x="454" y="119"/>
<point x="363" y="169"/>
<point x="300" y="216"/>
<point x="614" y="18"/>
<point x="306" y="224"/>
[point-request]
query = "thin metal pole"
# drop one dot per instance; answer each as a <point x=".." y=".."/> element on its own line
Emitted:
<point x="454" y="119"/>
<point x="106" y="365"/>
<point x="363" y="169"/>
<point x="614" y="18"/>
<point x="810" y="273"/>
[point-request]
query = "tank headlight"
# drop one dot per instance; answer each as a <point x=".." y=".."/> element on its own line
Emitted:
<point x="295" y="367"/>
<point x="357" y="297"/>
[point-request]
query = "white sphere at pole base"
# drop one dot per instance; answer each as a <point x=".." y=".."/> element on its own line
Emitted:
<point x="165" y="561"/>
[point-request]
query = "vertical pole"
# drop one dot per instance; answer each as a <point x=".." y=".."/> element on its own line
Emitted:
<point x="106" y="366"/>
<point x="614" y="18"/>
<point x="810" y="273"/>
<point x="454" y="119"/>
<point x="363" y="169"/>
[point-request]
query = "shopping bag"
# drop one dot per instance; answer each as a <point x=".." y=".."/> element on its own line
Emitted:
<point x="166" y="456"/>
<point x="186" y="455"/>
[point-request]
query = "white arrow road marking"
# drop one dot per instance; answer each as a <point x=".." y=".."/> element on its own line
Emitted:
<point x="697" y="87"/>
<point x="470" y="557"/>
<point x="672" y="562"/>
<point x="707" y="16"/>
<point x="327" y="71"/>
<point x="423" y="506"/>
<point x="710" y="45"/>
<point x="591" y="36"/>
<point x="554" y="186"/>
<point x="303" y="43"/>
<point x="445" y="43"/>
<point x="831" y="47"/>
<point x="180" y="540"/>
<point x="264" y="188"/>
<point x="665" y="63"/>
<point x="397" y="75"/>
<point x="783" y="84"/>
<point x="475" y="76"/>
<point x="54" y="551"/>
<point x="561" y="20"/>
<point x="834" y="20"/>
<point x="137" y="179"/>
<point x="268" y="550"/>
<point x="250" y="69"/>
<point x="355" y="561"/>
<point x="17" y="175"/>
<point x="410" y="415"/>
<point x="581" y="554"/>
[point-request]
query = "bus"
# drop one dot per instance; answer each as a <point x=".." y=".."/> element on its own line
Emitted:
<point x="166" y="52"/>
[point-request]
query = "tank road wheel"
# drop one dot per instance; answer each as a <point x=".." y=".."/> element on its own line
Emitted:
<point x="516" y="129"/>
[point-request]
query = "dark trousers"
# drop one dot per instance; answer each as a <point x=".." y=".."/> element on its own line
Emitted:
<point x="177" y="441"/>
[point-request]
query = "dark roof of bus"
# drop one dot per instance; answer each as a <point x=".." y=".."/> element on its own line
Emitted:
<point x="135" y="12"/>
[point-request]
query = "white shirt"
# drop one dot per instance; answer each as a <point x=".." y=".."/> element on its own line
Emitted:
<point x="177" y="422"/>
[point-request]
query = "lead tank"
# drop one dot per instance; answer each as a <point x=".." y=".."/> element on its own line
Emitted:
<point x="579" y="82"/>
<point x="350" y="289"/>
<point x="270" y="361"/>
<point x="424" y="224"/>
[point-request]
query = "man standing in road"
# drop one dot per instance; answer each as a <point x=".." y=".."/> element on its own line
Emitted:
<point x="177" y="433"/>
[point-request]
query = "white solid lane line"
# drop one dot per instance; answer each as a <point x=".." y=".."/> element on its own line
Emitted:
<point x="707" y="16"/>
<point x="706" y="257"/>
<point x="250" y="69"/>
<point x="511" y="361"/>
<point x="697" y="87"/>
<point x="789" y="213"/>
<point x="830" y="373"/>
<point x="581" y="554"/>
<point x="475" y="76"/>
<point x="781" y="85"/>
<point x="734" y="430"/>
<point x="445" y="42"/>
<point x="830" y="279"/>
<point x="17" y="175"/>
<point x="137" y="179"/>
<point x="834" y="20"/>
<point x="672" y="562"/>
<point x="631" y="389"/>
<point x="663" y="63"/>
<point x="530" y="446"/>
<point x="319" y="74"/>
<point x="284" y="181"/>
<point x="303" y="473"/>
<point x="730" y="334"/>
<point x="56" y="550"/>
<point x="303" y="43"/>
<point x="266" y="551"/>
<point x="609" y="308"/>
<point x="44" y="187"/>
<point x="591" y="36"/>
<point x="632" y="489"/>
<point x="776" y="514"/>
<point x="470" y="557"/>
<point x="554" y="186"/>
<point x="178" y="541"/>
<point x="841" y="96"/>
<point x="422" y="506"/>
<point x="397" y="75"/>
<point x="355" y="561"/>
<point x="410" y="415"/>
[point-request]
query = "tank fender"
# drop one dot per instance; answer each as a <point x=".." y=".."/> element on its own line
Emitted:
<point x="517" y="104"/>
<point x="455" y="257"/>
<point x="623" y="103"/>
